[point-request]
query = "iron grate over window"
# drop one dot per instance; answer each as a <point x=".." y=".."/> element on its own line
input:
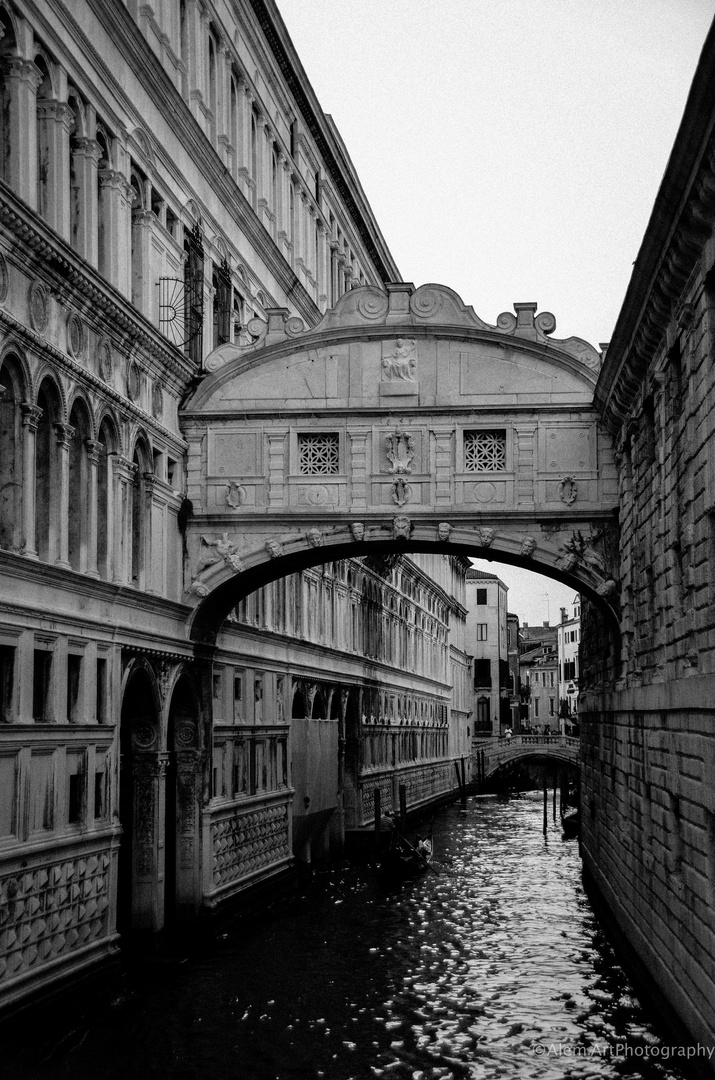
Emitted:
<point x="318" y="454"/>
<point x="484" y="451"/>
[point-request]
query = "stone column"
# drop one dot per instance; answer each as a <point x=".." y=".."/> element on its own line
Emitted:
<point x="114" y="257"/>
<point x="243" y="151"/>
<point x="188" y="790"/>
<point x="276" y="468"/>
<point x="225" y="135"/>
<point x="262" y="171"/>
<point x="85" y="160"/>
<point x="142" y="285"/>
<point x="359" y="481"/>
<point x="443" y="494"/>
<point x="54" y="120"/>
<point x="283" y="237"/>
<point x="59" y="528"/>
<point x="123" y="473"/>
<point x="322" y="272"/>
<point x="31" y="416"/>
<point x="92" y="448"/>
<point x="23" y="79"/>
<point x="149" y="778"/>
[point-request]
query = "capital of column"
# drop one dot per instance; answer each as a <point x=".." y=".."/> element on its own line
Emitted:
<point x="124" y="468"/>
<point x="16" y="67"/>
<point x="116" y="180"/>
<point x="31" y="414"/>
<point x="65" y="434"/>
<point x="86" y="147"/>
<point x="52" y="109"/>
<point x="3" y="391"/>
<point x="92" y="447"/>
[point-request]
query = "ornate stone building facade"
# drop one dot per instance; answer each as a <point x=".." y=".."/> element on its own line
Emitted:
<point x="165" y="179"/>
<point x="648" y="719"/>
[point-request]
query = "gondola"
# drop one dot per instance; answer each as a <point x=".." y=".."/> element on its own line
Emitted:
<point x="402" y="859"/>
<point x="571" y="823"/>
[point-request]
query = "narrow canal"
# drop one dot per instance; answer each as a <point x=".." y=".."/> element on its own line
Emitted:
<point x="494" y="968"/>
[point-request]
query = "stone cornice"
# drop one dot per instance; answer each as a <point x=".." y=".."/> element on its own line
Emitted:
<point x="681" y="222"/>
<point x="75" y="278"/>
<point x="125" y="407"/>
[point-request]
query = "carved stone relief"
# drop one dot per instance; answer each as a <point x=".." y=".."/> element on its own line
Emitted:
<point x="39" y="306"/>
<point x="400" y="363"/>
<point x="401" y="452"/>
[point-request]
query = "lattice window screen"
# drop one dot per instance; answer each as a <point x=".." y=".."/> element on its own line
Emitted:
<point x="318" y="454"/>
<point x="484" y="451"/>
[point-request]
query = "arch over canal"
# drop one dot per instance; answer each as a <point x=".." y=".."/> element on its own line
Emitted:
<point x="494" y="754"/>
<point x="401" y="422"/>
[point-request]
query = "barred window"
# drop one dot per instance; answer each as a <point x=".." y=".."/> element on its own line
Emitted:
<point x="484" y="451"/>
<point x="318" y="454"/>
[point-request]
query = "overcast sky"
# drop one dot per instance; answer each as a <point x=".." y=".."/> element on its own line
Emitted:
<point x="511" y="149"/>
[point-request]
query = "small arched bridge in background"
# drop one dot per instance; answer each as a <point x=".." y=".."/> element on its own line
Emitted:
<point x="489" y="755"/>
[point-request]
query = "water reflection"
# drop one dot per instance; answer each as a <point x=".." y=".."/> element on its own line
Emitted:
<point x="494" y="968"/>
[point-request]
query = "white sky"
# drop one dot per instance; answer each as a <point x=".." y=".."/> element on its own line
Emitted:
<point x="534" y="598"/>
<point x="511" y="149"/>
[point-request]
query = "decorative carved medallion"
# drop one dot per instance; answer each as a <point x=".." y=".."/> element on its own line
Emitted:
<point x="235" y="495"/>
<point x="133" y="380"/>
<point x="400" y="452"/>
<point x="4" y="279"/>
<point x="39" y="306"/>
<point x="157" y="400"/>
<point x="568" y="491"/>
<point x="75" y="336"/>
<point x="105" y="361"/>
<point x="144" y="736"/>
<point x="401" y="492"/>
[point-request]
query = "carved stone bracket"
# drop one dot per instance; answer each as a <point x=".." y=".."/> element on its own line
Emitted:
<point x="528" y="547"/>
<point x="401" y="528"/>
<point x="274" y="549"/>
<point x="358" y="530"/>
<point x="314" y="537"/>
<point x="444" y="531"/>
<point x="485" y="537"/>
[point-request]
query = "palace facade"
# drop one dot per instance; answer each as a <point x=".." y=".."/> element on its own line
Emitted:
<point x="167" y="177"/>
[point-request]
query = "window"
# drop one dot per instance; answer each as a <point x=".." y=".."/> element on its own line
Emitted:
<point x="193" y="294"/>
<point x="484" y="451"/>
<point x="536" y="706"/>
<point x="7" y="679"/>
<point x="318" y="455"/>
<point x="551" y="706"/>
<point x="42" y="670"/>
<point x="100" y="787"/>
<point x="237" y="696"/>
<point x="481" y="597"/>
<point x="101" y="690"/>
<point x="74" y="670"/>
<point x="42" y="791"/>
<point x="481" y="631"/>
<point x="482" y="673"/>
<point x="221" y="282"/>
<point x="76" y="787"/>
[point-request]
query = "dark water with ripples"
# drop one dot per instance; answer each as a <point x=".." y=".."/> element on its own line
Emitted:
<point x="494" y="968"/>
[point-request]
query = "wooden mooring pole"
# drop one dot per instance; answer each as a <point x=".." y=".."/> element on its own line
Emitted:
<point x="378" y="823"/>
<point x="556" y="777"/>
<point x="546" y="804"/>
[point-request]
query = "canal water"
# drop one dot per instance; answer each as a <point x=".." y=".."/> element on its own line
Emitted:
<point x="494" y="967"/>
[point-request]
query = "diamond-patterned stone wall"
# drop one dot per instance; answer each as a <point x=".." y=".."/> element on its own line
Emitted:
<point x="49" y="911"/>
<point x="247" y="841"/>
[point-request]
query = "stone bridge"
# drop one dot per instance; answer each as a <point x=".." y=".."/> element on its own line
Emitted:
<point x="401" y="422"/>
<point x="488" y="755"/>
